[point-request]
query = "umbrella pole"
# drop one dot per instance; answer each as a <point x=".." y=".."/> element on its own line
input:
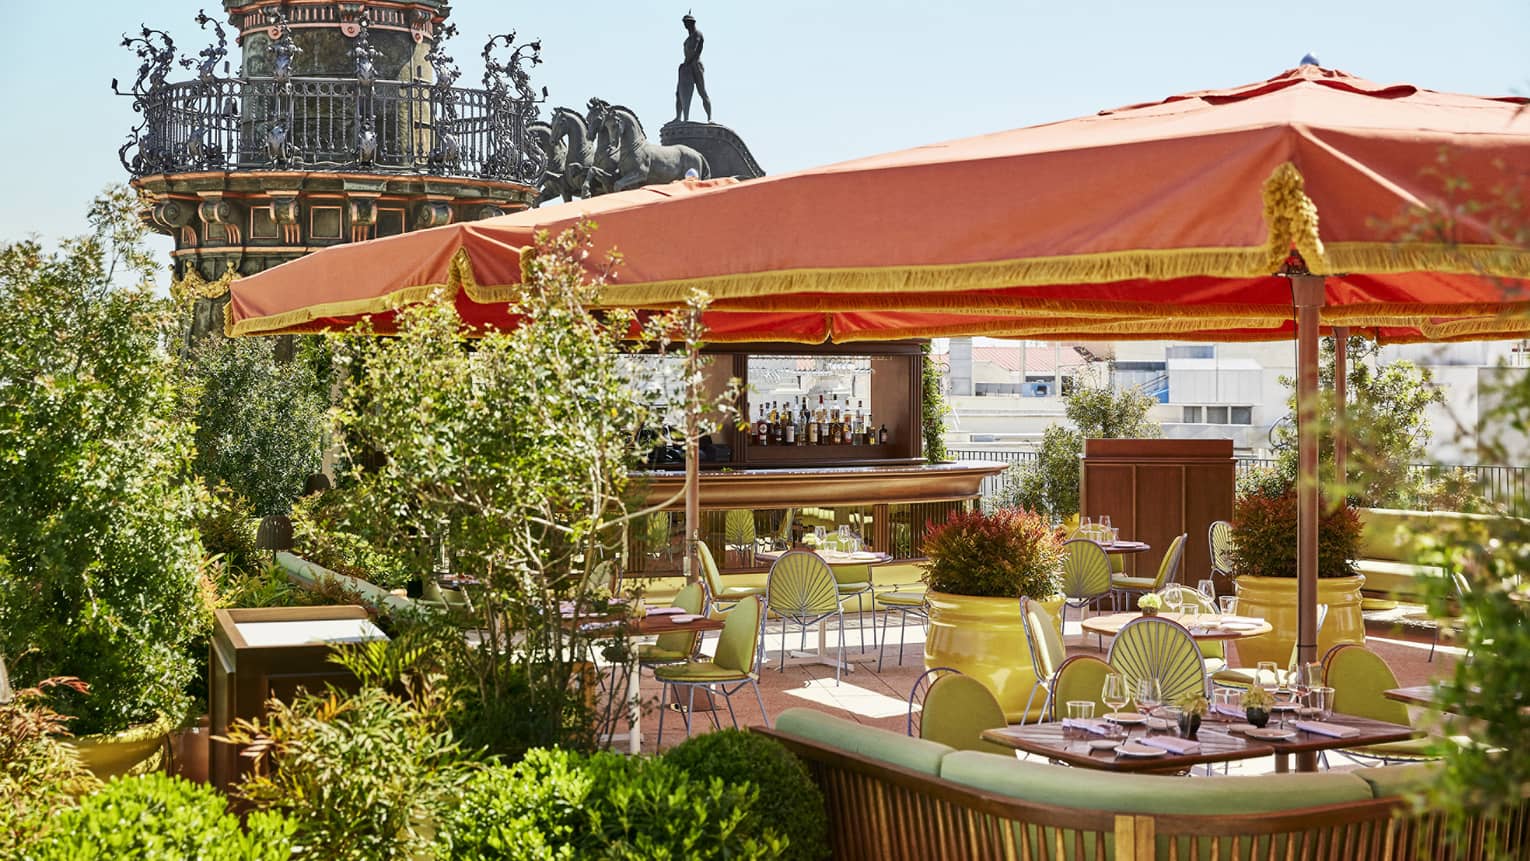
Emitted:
<point x="1341" y="411"/>
<point x="692" y="496"/>
<point x="1307" y="295"/>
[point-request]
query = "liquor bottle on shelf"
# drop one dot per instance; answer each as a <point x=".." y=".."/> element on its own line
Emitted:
<point x="788" y="426"/>
<point x="869" y="431"/>
<point x="812" y="428"/>
<point x="761" y="430"/>
<point x="775" y="424"/>
<point x="882" y="435"/>
<point x="823" y="423"/>
<point x="804" y="420"/>
<point x="858" y="424"/>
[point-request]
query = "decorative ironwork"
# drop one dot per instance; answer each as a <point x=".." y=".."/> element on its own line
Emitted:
<point x="362" y="122"/>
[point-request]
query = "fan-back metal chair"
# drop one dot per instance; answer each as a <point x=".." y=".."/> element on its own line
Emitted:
<point x="1047" y="651"/>
<point x="801" y="590"/>
<point x="1168" y="571"/>
<point x="1156" y="648"/>
<point x="1219" y="537"/>
<point x="1085" y="575"/>
<point x="917" y="693"/>
<point x="734" y="664"/>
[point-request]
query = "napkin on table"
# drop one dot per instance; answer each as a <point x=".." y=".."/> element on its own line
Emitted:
<point x="1172" y="744"/>
<point x="1094" y="725"/>
<point x="1328" y="729"/>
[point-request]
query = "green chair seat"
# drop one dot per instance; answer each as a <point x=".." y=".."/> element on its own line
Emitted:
<point x="739" y="592"/>
<point x="1243" y="677"/>
<point x="699" y="671"/>
<point x="1214" y="665"/>
<point x="901" y="599"/>
<point x="652" y="654"/>
<point x="1401" y="780"/>
<point x="851" y="587"/>
<point x="1124" y="582"/>
<point x="1413" y="748"/>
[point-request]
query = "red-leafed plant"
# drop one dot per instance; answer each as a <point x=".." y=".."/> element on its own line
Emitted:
<point x="1264" y="533"/>
<point x="1002" y="554"/>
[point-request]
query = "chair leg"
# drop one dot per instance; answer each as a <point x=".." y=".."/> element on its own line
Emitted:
<point x="690" y="706"/>
<point x="902" y="629"/>
<point x="1028" y="700"/>
<point x="840" y="663"/>
<point x="761" y="700"/>
<point x="728" y="698"/>
<point x="882" y="649"/>
<point x="712" y="703"/>
<point x="663" y="698"/>
<point x="1434" y="643"/>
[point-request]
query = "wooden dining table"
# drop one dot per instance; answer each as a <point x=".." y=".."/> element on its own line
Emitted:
<point x="1110" y="625"/>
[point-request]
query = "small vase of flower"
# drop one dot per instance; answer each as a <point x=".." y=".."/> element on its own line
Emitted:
<point x="1257" y="703"/>
<point x="1191" y="707"/>
<point x="1150" y="604"/>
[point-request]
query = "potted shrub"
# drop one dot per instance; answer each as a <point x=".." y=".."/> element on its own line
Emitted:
<point x="1264" y="555"/>
<point x="1150" y="604"/>
<point x="980" y="564"/>
<point x="1257" y="703"/>
<point x="99" y="558"/>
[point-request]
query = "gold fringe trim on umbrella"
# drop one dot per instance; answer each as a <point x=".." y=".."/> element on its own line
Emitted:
<point x="1292" y="219"/>
<point x="278" y="323"/>
<point x="1382" y="257"/>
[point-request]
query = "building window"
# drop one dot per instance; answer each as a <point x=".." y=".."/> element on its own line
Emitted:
<point x="1191" y="415"/>
<point x="1191" y="351"/>
<point x="1216" y="415"/>
<point x="1242" y="415"/>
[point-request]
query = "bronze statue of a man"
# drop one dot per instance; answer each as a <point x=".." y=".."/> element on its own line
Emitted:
<point x="691" y="73"/>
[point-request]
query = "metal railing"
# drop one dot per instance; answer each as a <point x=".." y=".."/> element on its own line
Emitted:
<point x="1502" y="488"/>
<point x="333" y="123"/>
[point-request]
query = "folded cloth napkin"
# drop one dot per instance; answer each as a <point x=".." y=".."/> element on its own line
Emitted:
<point x="1172" y="744"/>
<point x="1094" y="725"/>
<point x="1329" y="729"/>
<point x="1230" y="711"/>
<point x="665" y="611"/>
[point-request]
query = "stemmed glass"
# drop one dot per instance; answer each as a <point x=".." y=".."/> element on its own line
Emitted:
<point x="1307" y="677"/>
<point x="1208" y="587"/>
<point x="1114" y="693"/>
<point x="1149" y="695"/>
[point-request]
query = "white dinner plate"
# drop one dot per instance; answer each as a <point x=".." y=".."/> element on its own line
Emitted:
<point x="1105" y="743"/>
<point x="866" y="555"/>
<point x="1132" y="748"/>
<point x="685" y="617"/>
<point x="665" y="611"/>
<point x="1241" y="626"/>
<point x="1240" y="727"/>
<point x="1270" y="733"/>
<point x="1126" y="717"/>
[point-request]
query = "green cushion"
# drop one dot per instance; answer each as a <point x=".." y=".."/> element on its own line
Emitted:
<point x="853" y="586"/>
<point x="730" y="593"/>
<point x="1242" y="677"/>
<point x="653" y="654"/>
<point x="892" y="748"/>
<point x="1149" y="794"/>
<point x="698" y="671"/>
<point x="1401" y="779"/>
<point x="1394" y="578"/>
<point x="1413" y="748"/>
<point x="1134" y="582"/>
<point x="901" y="599"/>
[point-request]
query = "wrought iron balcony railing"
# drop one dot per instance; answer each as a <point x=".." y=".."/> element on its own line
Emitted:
<point x="334" y="124"/>
<point x="361" y="123"/>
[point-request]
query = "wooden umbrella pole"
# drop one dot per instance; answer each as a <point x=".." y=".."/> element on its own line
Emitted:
<point x="1307" y="295"/>
<point x="1341" y="411"/>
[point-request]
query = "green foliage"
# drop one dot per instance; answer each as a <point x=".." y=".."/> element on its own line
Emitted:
<point x="1264" y="535"/>
<point x="38" y="774"/>
<point x="259" y="421"/>
<point x="226" y="523"/>
<point x="1050" y="483"/>
<point x="556" y="804"/>
<point x="1002" y="554"/>
<point x="95" y="478"/>
<point x="342" y="531"/>
<point x="934" y="409"/>
<point x="1386" y="420"/>
<point x="790" y="803"/>
<point x="1492" y="613"/>
<point x="157" y="818"/>
<point x="511" y="462"/>
<point x="361" y="778"/>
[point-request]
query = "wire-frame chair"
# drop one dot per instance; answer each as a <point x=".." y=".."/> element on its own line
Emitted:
<point x="718" y="594"/>
<point x="1156" y="648"/>
<point x="1359" y="677"/>
<point x="1080" y="677"/>
<point x="1085" y="575"/>
<point x="905" y="604"/>
<point x="1213" y="652"/>
<point x="739" y="533"/>
<point x="802" y="591"/>
<point x="1168" y="571"/>
<point x="917" y="693"/>
<point x="1219" y="537"/>
<point x="1046" y="648"/>
<point x="734" y="664"/>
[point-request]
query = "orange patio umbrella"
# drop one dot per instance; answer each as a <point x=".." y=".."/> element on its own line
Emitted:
<point x="1311" y="201"/>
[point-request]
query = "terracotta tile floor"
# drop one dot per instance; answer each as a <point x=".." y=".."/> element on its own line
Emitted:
<point x="880" y="698"/>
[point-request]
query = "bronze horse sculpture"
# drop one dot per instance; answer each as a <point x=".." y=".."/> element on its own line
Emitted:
<point x="642" y="163"/>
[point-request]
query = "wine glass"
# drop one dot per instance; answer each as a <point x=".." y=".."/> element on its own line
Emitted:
<point x="1266" y="670"/>
<point x="1114" y="693"/>
<point x="1149" y="695"/>
<point x="1207" y="587"/>
<point x="1306" y="677"/>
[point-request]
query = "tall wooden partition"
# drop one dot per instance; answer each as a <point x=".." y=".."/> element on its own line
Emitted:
<point x="1154" y="490"/>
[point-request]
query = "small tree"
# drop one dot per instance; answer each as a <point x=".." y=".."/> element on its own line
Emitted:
<point x="512" y="457"/>
<point x="95" y="477"/>
<point x="933" y="408"/>
<point x="1050" y="483"/>
<point x="1386" y="420"/>
<point x="259" y="421"/>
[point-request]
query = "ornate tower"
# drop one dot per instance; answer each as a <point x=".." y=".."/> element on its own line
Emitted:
<point x="341" y="122"/>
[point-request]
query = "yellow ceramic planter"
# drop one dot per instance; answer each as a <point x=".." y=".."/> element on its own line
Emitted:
<point x="116" y="754"/>
<point x="1274" y="599"/>
<point x="983" y="638"/>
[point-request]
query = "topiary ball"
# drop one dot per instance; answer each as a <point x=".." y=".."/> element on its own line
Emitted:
<point x="790" y="802"/>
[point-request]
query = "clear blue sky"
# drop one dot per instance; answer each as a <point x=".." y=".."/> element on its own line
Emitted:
<point x="804" y="83"/>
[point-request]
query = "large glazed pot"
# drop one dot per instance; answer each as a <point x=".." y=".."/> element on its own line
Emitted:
<point x="113" y="754"/>
<point x="983" y="638"/>
<point x="1274" y="599"/>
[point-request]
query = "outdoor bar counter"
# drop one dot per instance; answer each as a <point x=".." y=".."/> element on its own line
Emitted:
<point x="886" y="505"/>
